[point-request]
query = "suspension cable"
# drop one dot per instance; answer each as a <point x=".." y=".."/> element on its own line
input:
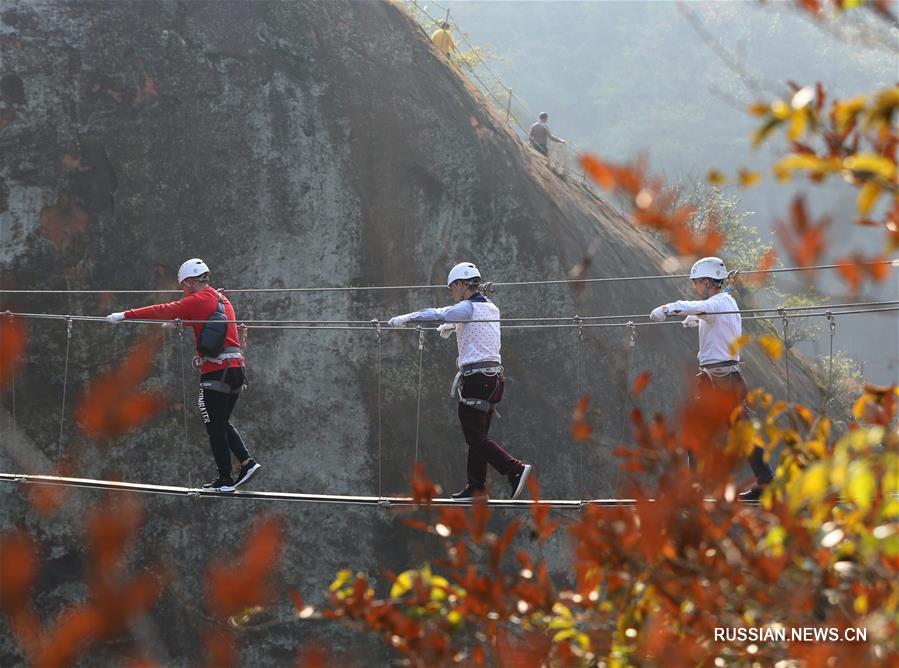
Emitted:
<point x="360" y="288"/>
<point x="588" y="321"/>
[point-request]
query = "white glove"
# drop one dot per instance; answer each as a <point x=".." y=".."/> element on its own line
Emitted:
<point x="446" y="330"/>
<point x="116" y="317"/>
<point x="400" y="320"/>
<point x="659" y="313"/>
<point x="691" y="321"/>
<point x="168" y="324"/>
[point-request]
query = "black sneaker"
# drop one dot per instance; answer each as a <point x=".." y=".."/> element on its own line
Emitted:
<point x="518" y="481"/>
<point x="753" y="494"/>
<point x="220" y="484"/>
<point x="469" y="494"/>
<point x="246" y="472"/>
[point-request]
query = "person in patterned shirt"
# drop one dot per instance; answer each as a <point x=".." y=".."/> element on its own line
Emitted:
<point x="479" y="384"/>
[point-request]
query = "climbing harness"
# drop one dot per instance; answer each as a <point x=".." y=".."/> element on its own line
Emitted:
<point x="484" y="368"/>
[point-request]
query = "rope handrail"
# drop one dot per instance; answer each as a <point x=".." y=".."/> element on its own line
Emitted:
<point x="361" y="288"/>
<point x="516" y="323"/>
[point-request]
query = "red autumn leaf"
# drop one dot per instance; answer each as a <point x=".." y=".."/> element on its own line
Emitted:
<point x="232" y="588"/>
<point x="581" y="430"/>
<point x="598" y="171"/>
<point x="110" y="529"/>
<point x="113" y="404"/>
<point x="12" y="346"/>
<point x="221" y="649"/>
<point x="805" y="240"/>
<point x="424" y="490"/>
<point x="766" y="262"/>
<point x="640" y="383"/>
<point x="314" y="657"/>
<point x="74" y="632"/>
<point x="18" y="569"/>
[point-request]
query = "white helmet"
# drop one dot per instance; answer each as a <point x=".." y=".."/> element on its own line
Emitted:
<point x="709" y="267"/>
<point x="192" y="268"/>
<point x="464" y="271"/>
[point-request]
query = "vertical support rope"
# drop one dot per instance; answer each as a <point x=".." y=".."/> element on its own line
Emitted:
<point x="377" y="326"/>
<point x="786" y="357"/>
<point x="833" y="327"/>
<point x="180" y="327"/>
<point x="65" y="382"/>
<point x="12" y="374"/>
<point x="579" y="478"/>
<point x="631" y="344"/>
<point x="421" y="346"/>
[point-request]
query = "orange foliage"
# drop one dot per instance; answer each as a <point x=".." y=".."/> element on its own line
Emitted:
<point x="581" y="429"/>
<point x="114" y="598"/>
<point x="640" y="383"/>
<point x="423" y="489"/>
<point x="233" y="588"/>
<point x="654" y="206"/>
<point x="12" y="346"/>
<point x="113" y="403"/>
<point x="856" y="268"/>
<point x="803" y="239"/>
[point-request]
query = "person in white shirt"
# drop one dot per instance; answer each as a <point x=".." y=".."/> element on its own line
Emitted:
<point x="479" y="384"/>
<point x="540" y="135"/>
<point x="718" y="318"/>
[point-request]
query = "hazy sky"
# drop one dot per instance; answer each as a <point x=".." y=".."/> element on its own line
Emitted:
<point x="621" y="78"/>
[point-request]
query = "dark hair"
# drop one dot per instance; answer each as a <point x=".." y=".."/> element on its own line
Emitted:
<point x="544" y="115"/>
<point x="444" y="25"/>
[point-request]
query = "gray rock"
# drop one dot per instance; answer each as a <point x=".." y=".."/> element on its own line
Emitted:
<point x="296" y="144"/>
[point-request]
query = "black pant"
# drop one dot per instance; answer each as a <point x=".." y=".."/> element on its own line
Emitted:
<point x="541" y="148"/>
<point x="482" y="449"/>
<point x="216" y="408"/>
<point x="735" y="381"/>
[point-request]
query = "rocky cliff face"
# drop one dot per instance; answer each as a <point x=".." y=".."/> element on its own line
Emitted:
<point x="296" y="144"/>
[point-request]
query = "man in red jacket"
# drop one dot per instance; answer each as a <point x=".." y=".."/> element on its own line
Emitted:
<point x="221" y="378"/>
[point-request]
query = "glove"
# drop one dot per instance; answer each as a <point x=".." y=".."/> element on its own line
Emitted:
<point x="115" y="317"/>
<point x="400" y="320"/>
<point x="691" y="321"/>
<point x="168" y="324"/>
<point x="446" y="330"/>
<point x="659" y="313"/>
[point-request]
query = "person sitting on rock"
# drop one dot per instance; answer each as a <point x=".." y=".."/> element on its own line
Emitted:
<point x="541" y="135"/>
<point x="718" y="368"/>
<point x="221" y="376"/>
<point x="479" y="383"/>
